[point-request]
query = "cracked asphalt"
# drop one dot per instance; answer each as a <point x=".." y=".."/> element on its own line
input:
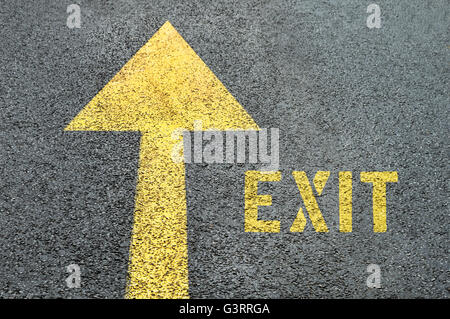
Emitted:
<point x="344" y="96"/>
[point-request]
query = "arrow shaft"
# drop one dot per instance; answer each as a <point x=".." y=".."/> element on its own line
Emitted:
<point x="158" y="265"/>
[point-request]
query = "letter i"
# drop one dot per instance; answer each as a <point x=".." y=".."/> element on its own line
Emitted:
<point x="345" y="202"/>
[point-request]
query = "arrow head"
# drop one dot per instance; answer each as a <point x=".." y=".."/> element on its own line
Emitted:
<point x="165" y="84"/>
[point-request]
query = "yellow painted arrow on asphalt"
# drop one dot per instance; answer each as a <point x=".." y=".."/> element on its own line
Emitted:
<point x="163" y="87"/>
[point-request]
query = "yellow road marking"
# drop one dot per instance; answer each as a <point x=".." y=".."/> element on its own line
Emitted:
<point x="253" y="200"/>
<point x="345" y="202"/>
<point x="310" y="201"/>
<point x="379" y="180"/>
<point x="165" y="86"/>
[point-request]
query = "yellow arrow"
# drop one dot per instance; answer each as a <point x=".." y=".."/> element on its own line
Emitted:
<point x="164" y="86"/>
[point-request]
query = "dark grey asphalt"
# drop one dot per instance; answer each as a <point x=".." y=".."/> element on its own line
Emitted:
<point x="344" y="97"/>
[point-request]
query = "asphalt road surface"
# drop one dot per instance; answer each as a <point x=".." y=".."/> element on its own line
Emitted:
<point x="345" y="97"/>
